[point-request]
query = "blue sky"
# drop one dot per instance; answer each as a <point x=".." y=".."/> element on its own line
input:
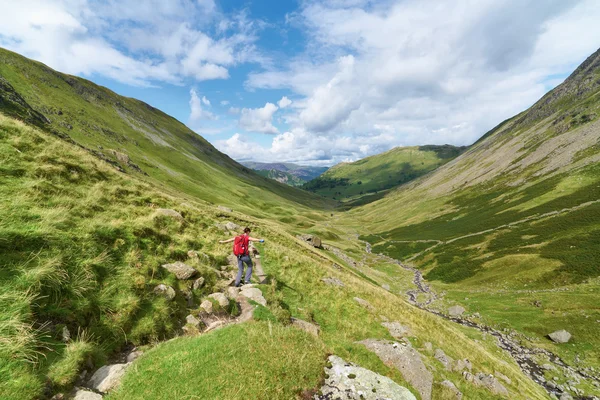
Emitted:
<point x="315" y="82"/>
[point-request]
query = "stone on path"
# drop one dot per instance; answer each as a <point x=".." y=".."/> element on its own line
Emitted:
<point x="165" y="290"/>
<point x="254" y="294"/>
<point x="452" y="389"/>
<point x="220" y="298"/>
<point x="333" y="282"/>
<point x="364" y="303"/>
<point x="181" y="270"/>
<point x="107" y="377"/>
<point x="82" y="394"/>
<point x="306" y="326"/>
<point x="397" y="330"/>
<point x="233" y="292"/>
<point x="456" y="311"/>
<point x="561" y="336"/>
<point x="169" y="213"/>
<point x="444" y="359"/>
<point x="198" y="283"/>
<point x="247" y="310"/>
<point x="347" y="381"/>
<point x="407" y="360"/>
<point x="207" y="306"/>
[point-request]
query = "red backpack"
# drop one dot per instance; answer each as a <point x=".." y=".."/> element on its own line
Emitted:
<point x="240" y="245"/>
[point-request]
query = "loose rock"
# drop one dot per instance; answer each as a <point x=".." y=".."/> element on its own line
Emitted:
<point x="443" y="358"/>
<point x="165" y="290"/>
<point x="386" y="287"/>
<point x="226" y="209"/>
<point x="82" y="394"/>
<point x="198" y="283"/>
<point x="463" y="364"/>
<point x="306" y="326"/>
<point x="312" y="239"/>
<point x="489" y="382"/>
<point x="107" y="377"/>
<point x="191" y="320"/>
<point x="456" y="311"/>
<point x="333" y="282"/>
<point x="134" y="355"/>
<point x="182" y="271"/>
<point x="364" y="303"/>
<point x="254" y="294"/>
<point x="397" y="330"/>
<point x="220" y="298"/>
<point x="169" y="213"/>
<point x="207" y="306"/>
<point x="561" y="336"/>
<point x="233" y="292"/>
<point x="451" y="387"/>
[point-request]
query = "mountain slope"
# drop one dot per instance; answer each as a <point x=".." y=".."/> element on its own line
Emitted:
<point x="140" y="138"/>
<point x="381" y="172"/>
<point x="513" y="220"/>
<point x="291" y="174"/>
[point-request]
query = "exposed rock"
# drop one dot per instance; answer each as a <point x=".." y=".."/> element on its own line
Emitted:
<point x="561" y="336"/>
<point x="566" y="396"/>
<point x="107" y="377"/>
<point x="220" y="298"/>
<point x="407" y="360"/>
<point x="198" y="283"/>
<point x="312" y="239"/>
<point x="463" y="364"/>
<point x="182" y="271"/>
<point x="428" y="346"/>
<point x="489" y="382"/>
<point x="548" y="367"/>
<point x="189" y="297"/>
<point x="443" y="358"/>
<point x="65" y="334"/>
<point x="456" y="311"/>
<point x="191" y="320"/>
<point x="306" y="326"/>
<point x="364" y="303"/>
<point x="397" y="330"/>
<point x="207" y="306"/>
<point x="503" y="377"/>
<point x="134" y="355"/>
<point x="165" y="290"/>
<point x="451" y="387"/>
<point x="121" y="157"/>
<point x="347" y="381"/>
<point x="226" y="209"/>
<point x="82" y="394"/>
<point x="333" y="282"/>
<point x="232" y="226"/>
<point x="169" y="213"/>
<point x="386" y="287"/>
<point x="233" y="292"/>
<point x="214" y="325"/>
<point x="254" y="294"/>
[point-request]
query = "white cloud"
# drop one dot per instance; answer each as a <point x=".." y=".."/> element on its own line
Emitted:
<point x="224" y="102"/>
<point x="205" y="101"/>
<point x="197" y="113"/>
<point x="284" y="102"/>
<point x="234" y="111"/>
<point x="259" y="119"/>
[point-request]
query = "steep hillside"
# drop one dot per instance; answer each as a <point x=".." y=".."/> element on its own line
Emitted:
<point x="373" y="176"/>
<point x="291" y="174"/>
<point x="282" y="177"/>
<point x="140" y="138"/>
<point x="511" y="228"/>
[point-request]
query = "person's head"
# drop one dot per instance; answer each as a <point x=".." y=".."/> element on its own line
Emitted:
<point x="246" y="231"/>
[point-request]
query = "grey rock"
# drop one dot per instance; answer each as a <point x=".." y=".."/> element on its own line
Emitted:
<point x="220" y="298"/>
<point x="451" y="387"/>
<point x="198" y="283"/>
<point x="314" y="240"/>
<point x="169" y="213"/>
<point x="489" y="382"/>
<point x="306" y="326"/>
<point x="386" y="287"/>
<point x="233" y="292"/>
<point x="226" y="209"/>
<point x="407" y="360"/>
<point x="232" y="226"/>
<point x="254" y="294"/>
<point x="364" y="303"/>
<point x="566" y="396"/>
<point x="65" y="334"/>
<point x="504" y="377"/>
<point x="167" y="291"/>
<point x="428" y="346"/>
<point x="207" y="306"/>
<point x="333" y="282"/>
<point x="463" y="364"/>
<point x="182" y="271"/>
<point x="456" y="311"/>
<point x="134" y="355"/>
<point x="191" y="320"/>
<point x="561" y="336"/>
<point x="107" y="377"/>
<point x="82" y="394"/>
<point x="397" y="330"/>
<point x="443" y="358"/>
<point x="347" y="381"/>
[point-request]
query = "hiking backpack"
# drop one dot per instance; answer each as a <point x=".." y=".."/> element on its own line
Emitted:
<point x="240" y="245"/>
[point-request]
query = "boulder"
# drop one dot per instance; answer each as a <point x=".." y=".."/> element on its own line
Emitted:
<point x="443" y="358"/>
<point x="306" y="326"/>
<point x="220" y="298"/>
<point x="207" y="306"/>
<point x="452" y="389"/>
<point x="347" y="381"/>
<point x="385" y="286"/>
<point x="364" y="303"/>
<point x="198" y="283"/>
<point x="314" y="240"/>
<point x="191" y="320"/>
<point x="182" y="271"/>
<point x="254" y="294"/>
<point x="226" y="209"/>
<point x="456" y="311"/>
<point x="134" y="355"/>
<point x="503" y="377"/>
<point x="407" y="360"/>
<point x="82" y="394"/>
<point x="232" y="226"/>
<point x="461" y="365"/>
<point x="169" y="213"/>
<point x="107" y="377"/>
<point x="333" y="282"/>
<point x="397" y="330"/>
<point x="561" y="336"/>
<point x="233" y="292"/>
<point x="490" y="382"/>
<point x="165" y="290"/>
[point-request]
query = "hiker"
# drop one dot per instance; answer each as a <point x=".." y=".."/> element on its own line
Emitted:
<point x="241" y="249"/>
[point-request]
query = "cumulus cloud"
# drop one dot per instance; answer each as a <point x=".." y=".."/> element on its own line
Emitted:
<point x="224" y="102"/>
<point x="205" y="101"/>
<point x="284" y="102"/>
<point x="259" y="119"/>
<point x="197" y="112"/>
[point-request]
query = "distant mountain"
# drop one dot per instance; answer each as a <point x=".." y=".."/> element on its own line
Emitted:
<point x="373" y="175"/>
<point x="288" y="173"/>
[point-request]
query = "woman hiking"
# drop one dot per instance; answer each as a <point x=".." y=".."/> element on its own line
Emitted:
<point x="241" y="250"/>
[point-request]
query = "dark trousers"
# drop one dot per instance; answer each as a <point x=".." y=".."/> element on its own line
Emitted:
<point x="241" y="261"/>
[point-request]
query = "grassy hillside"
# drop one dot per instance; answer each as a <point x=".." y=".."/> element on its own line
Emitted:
<point x="288" y="173"/>
<point x="513" y="220"/>
<point x="374" y="175"/>
<point x="81" y="248"/>
<point x="282" y="177"/>
<point x="140" y="138"/>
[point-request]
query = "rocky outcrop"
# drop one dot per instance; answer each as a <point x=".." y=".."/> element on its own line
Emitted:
<point x="233" y="292"/>
<point x="446" y="360"/>
<point x="167" y="291"/>
<point x="407" y="360"/>
<point x="314" y="240"/>
<point x="451" y="389"/>
<point x="333" y="282"/>
<point x="364" y="303"/>
<point x="181" y="270"/>
<point x="561" y="336"/>
<point x="226" y="209"/>
<point x="487" y="381"/>
<point x="397" y="330"/>
<point x="198" y="283"/>
<point x="254" y="294"/>
<point x="166" y="212"/>
<point x="220" y="298"/>
<point x="456" y="311"/>
<point x="207" y="306"/>
<point x="107" y="377"/>
<point x="306" y="326"/>
<point x="347" y="381"/>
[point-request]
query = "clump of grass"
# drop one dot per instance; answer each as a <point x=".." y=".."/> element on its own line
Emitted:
<point x="76" y="355"/>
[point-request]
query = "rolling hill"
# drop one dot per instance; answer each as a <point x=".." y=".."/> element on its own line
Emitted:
<point x="371" y="177"/>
